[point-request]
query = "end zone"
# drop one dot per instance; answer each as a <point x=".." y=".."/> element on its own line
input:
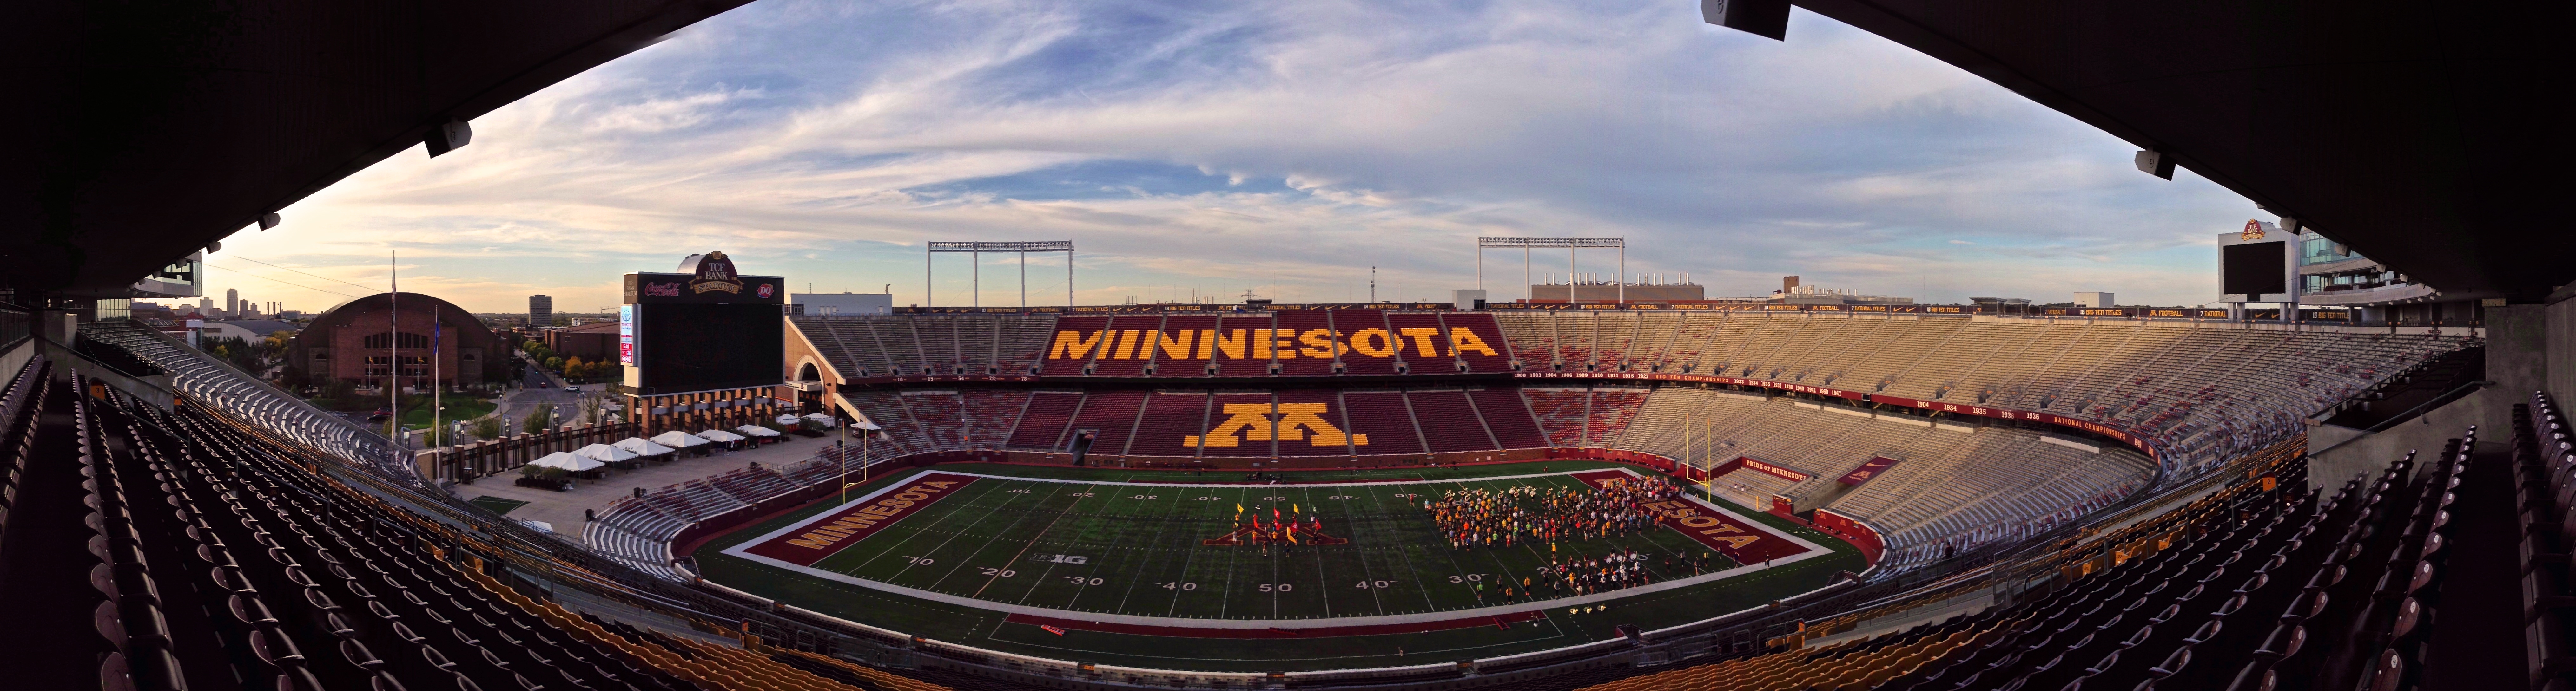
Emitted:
<point x="809" y="541"/>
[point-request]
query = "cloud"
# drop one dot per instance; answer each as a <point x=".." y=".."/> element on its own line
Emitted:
<point x="1219" y="148"/>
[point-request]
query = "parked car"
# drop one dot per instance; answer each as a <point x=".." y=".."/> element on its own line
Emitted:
<point x="572" y="389"/>
<point x="380" y="415"/>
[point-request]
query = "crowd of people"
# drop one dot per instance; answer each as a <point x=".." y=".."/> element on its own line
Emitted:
<point x="1525" y="514"/>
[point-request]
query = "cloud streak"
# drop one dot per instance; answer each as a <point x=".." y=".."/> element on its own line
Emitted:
<point x="1288" y="149"/>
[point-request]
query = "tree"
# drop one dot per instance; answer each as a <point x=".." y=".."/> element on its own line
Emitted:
<point x="536" y="420"/>
<point x="486" y="427"/>
<point x="590" y="410"/>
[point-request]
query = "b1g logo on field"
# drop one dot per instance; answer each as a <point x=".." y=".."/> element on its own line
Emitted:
<point x="1060" y="558"/>
<point x="1297" y="421"/>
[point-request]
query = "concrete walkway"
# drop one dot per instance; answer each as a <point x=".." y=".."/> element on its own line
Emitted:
<point x="563" y="510"/>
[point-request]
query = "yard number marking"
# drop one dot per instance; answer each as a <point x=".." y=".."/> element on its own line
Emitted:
<point x="1142" y="496"/>
<point x="1364" y="585"/>
<point x="999" y="573"/>
<point x="1277" y="587"/>
<point x="924" y="561"/>
<point x="1078" y="580"/>
<point x="1179" y="586"/>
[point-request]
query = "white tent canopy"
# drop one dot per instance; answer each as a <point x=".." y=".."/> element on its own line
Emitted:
<point x="790" y="420"/>
<point x="640" y="447"/>
<point x="757" y="431"/>
<point x="678" y="440"/>
<point x="823" y="419"/>
<point x="604" y="452"/>
<point x="719" y="435"/>
<point x="566" y="461"/>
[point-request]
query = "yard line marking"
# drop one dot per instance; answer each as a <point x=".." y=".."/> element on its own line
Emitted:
<point x="1015" y="556"/>
<point x="1376" y="603"/>
<point x="943" y="544"/>
<point x="1152" y="548"/>
<point x="1404" y="551"/>
<point x="1035" y="583"/>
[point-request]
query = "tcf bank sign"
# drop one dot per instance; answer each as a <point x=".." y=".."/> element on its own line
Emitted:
<point x="1264" y="344"/>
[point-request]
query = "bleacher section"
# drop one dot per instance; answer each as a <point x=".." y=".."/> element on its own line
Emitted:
<point x="1953" y="487"/>
<point x="2258" y="591"/>
<point x="2199" y="392"/>
<point x="216" y="563"/>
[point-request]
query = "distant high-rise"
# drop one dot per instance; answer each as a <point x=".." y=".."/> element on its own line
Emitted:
<point x="541" y="311"/>
<point x="232" y="301"/>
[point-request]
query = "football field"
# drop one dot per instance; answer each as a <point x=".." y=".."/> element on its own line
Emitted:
<point x="1142" y="551"/>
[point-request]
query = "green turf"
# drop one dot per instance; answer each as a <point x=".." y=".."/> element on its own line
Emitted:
<point x="1143" y="557"/>
<point x="496" y="504"/>
<point x="1133" y="549"/>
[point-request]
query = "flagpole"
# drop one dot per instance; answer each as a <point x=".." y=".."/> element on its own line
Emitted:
<point x="437" y="394"/>
<point x="393" y="344"/>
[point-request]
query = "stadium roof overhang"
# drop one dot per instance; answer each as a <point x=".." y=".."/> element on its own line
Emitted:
<point x="144" y="131"/>
<point x="2419" y="133"/>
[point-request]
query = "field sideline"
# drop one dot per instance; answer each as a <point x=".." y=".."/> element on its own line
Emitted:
<point x="1114" y="547"/>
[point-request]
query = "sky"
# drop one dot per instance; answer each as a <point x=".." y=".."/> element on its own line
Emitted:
<point x="1283" y="148"/>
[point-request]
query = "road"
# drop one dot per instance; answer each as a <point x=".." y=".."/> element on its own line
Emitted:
<point x="537" y="386"/>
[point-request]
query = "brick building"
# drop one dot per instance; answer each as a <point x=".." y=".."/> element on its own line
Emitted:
<point x="591" y="342"/>
<point x="355" y="342"/>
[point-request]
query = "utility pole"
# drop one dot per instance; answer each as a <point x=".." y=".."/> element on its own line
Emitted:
<point x="1372" y="284"/>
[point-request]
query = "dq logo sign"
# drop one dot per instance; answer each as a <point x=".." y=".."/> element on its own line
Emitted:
<point x="1264" y="344"/>
<point x="1297" y="421"/>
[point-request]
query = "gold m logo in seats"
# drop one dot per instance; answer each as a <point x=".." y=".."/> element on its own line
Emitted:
<point x="1297" y="421"/>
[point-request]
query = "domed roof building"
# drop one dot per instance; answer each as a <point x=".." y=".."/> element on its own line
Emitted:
<point x="358" y="342"/>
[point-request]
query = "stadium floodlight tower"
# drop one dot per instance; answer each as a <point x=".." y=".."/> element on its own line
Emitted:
<point x="1570" y="245"/>
<point x="977" y="249"/>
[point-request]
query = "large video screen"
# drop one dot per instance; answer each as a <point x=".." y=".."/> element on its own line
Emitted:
<point x="2254" y="268"/>
<point x="685" y="348"/>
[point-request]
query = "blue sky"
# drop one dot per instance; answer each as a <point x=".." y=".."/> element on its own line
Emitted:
<point x="1281" y="148"/>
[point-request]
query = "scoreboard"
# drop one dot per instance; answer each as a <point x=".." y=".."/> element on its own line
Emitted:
<point x="706" y="327"/>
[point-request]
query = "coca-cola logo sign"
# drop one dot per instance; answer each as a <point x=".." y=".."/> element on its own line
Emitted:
<point x="667" y="290"/>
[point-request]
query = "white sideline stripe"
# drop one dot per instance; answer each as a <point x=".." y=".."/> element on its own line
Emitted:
<point x="1813" y="550"/>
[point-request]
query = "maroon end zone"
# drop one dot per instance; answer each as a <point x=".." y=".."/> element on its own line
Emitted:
<point x="822" y="535"/>
<point x="1316" y="632"/>
<point x="1745" y="542"/>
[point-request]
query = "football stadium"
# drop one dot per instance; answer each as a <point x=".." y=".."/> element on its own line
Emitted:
<point x="2367" y="485"/>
